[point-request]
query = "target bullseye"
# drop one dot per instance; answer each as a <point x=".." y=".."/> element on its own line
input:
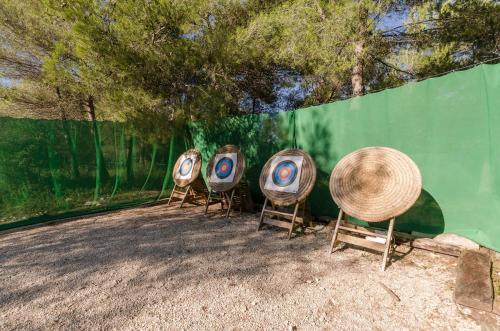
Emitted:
<point x="186" y="167"/>
<point x="285" y="173"/>
<point x="224" y="167"/>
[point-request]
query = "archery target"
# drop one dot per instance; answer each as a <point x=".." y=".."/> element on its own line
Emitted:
<point x="186" y="166"/>
<point x="284" y="174"/>
<point x="224" y="168"/>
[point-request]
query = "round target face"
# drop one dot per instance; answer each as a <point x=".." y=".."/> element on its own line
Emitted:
<point x="285" y="173"/>
<point x="224" y="167"/>
<point x="186" y="167"/>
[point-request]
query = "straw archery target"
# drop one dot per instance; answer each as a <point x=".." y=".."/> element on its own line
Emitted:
<point x="224" y="168"/>
<point x="186" y="166"/>
<point x="284" y="174"/>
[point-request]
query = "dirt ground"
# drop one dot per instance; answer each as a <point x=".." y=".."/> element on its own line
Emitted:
<point x="164" y="268"/>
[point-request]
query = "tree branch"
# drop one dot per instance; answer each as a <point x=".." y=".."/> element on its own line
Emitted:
<point x="392" y="66"/>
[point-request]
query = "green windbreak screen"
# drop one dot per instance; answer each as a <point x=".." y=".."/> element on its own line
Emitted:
<point x="51" y="169"/>
<point x="450" y="126"/>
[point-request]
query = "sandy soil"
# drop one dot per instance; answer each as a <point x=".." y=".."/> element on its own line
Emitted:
<point x="165" y="268"/>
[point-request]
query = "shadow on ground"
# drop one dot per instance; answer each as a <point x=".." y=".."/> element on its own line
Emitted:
<point x="149" y="247"/>
<point x="164" y="268"/>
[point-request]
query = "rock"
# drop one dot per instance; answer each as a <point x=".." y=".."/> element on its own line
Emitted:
<point x="318" y="227"/>
<point x="456" y="240"/>
<point x="465" y="310"/>
<point x="325" y="219"/>
<point x="292" y="328"/>
<point x="473" y="286"/>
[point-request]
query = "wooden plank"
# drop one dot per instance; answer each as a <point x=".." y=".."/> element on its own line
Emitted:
<point x="433" y="246"/>
<point x="364" y="232"/>
<point x="360" y="242"/>
<point x="473" y="286"/>
<point x="281" y="224"/>
<point x="413" y="241"/>
<point x="276" y="212"/>
<point x="388" y="242"/>
<point x="298" y="219"/>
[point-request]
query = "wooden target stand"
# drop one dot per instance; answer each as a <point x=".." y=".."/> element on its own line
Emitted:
<point x="278" y="216"/>
<point x="354" y="235"/>
<point x="373" y="184"/>
<point x="195" y="193"/>
<point x="190" y="190"/>
<point x="233" y="199"/>
<point x="291" y="219"/>
<point x="228" y="193"/>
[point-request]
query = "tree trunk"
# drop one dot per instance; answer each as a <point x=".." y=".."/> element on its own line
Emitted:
<point x="75" y="172"/>
<point x="131" y="159"/>
<point x="54" y="164"/>
<point x="153" y="159"/>
<point x="71" y="141"/>
<point x="101" y="172"/>
<point x="359" y="45"/>
<point x="357" y="70"/>
<point x="170" y="164"/>
<point x="119" y="160"/>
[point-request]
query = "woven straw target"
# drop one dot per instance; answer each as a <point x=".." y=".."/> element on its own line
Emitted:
<point x="375" y="183"/>
<point x="306" y="181"/>
<point x="239" y="168"/>
<point x="196" y="166"/>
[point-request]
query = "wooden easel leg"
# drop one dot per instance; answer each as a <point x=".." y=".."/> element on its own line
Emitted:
<point x="293" y="220"/>
<point x="230" y="203"/>
<point x="171" y="194"/>
<point x="185" y="195"/>
<point x="208" y="201"/>
<point x="241" y="200"/>
<point x="304" y="209"/>
<point x="221" y="195"/>
<point x="262" y="215"/>
<point x="336" y="231"/>
<point x="388" y="241"/>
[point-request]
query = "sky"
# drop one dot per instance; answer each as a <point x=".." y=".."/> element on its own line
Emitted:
<point x="5" y="82"/>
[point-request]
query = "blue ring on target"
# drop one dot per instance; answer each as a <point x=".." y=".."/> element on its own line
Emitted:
<point x="285" y="173"/>
<point x="224" y="167"/>
<point x="186" y="167"/>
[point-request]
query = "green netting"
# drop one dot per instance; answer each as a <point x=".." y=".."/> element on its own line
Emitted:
<point x="449" y="125"/>
<point x="51" y="169"/>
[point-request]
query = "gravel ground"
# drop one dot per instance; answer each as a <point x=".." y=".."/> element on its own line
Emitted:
<point x="165" y="268"/>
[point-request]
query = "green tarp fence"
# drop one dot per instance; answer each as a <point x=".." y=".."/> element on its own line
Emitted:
<point x="56" y="169"/>
<point x="450" y="126"/>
